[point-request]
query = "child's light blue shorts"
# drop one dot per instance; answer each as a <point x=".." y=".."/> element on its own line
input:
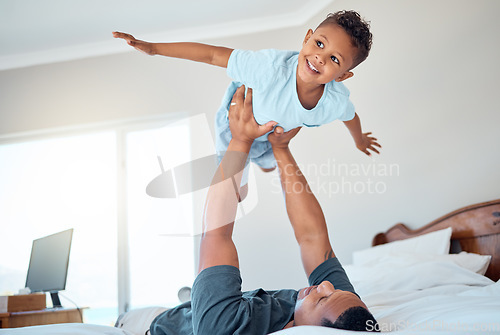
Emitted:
<point x="261" y="152"/>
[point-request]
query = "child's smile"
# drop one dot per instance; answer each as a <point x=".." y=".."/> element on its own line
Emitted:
<point x="327" y="54"/>
<point x="311" y="66"/>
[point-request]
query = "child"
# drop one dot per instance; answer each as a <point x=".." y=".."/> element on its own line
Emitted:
<point x="292" y="88"/>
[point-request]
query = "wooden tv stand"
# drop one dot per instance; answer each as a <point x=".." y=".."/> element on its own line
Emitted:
<point x="41" y="317"/>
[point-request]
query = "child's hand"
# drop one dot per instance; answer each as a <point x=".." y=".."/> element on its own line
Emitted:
<point x="279" y="139"/>
<point x="368" y="143"/>
<point x="146" y="47"/>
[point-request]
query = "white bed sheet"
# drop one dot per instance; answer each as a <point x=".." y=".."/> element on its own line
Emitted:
<point x="408" y="295"/>
<point x="66" y="329"/>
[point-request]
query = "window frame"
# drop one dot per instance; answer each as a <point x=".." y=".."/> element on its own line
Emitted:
<point x="121" y="128"/>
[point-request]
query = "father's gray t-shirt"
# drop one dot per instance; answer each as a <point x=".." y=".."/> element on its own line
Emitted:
<point x="218" y="306"/>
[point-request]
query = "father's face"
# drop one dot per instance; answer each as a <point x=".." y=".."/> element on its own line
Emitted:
<point x="315" y="303"/>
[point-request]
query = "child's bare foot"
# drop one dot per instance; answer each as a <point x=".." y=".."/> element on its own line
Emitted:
<point x="268" y="170"/>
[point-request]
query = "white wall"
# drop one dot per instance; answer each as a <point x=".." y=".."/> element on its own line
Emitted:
<point x="427" y="91"/>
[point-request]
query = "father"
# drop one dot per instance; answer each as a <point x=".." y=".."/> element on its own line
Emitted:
<point x="218" y="306"/>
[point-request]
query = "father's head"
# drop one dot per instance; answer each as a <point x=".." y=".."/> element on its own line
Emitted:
<point x="323" y="305"/>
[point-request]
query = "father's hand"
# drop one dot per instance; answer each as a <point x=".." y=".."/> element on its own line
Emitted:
<point x="244" y="128"/>
<point x="280" y="139"/>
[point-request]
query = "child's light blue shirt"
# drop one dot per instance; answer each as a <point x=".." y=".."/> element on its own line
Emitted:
<point x="272" y="76"/>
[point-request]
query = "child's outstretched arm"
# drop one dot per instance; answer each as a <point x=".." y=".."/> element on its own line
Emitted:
<point x="197" y="52"/>
<point x="364" y="141"/>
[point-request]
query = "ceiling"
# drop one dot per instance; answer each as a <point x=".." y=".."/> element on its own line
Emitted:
<point x="34" y="32"/>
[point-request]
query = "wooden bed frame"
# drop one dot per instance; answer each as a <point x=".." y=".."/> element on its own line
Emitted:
<point x="475" y="229"/>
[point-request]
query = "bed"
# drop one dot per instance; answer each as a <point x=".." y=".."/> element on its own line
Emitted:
<point x="475" y="229"/>
<point x="442" y="278"/>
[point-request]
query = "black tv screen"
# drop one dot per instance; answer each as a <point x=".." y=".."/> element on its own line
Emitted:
<point x="49" y="260"/>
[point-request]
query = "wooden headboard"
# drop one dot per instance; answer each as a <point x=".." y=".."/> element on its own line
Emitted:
<point x="475" y="228"/>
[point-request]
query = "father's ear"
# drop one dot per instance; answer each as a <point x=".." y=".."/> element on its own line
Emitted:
<point x="344" y="76"/>
<point x="308" y="35"/>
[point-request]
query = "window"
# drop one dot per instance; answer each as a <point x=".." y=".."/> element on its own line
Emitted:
<point x="51" y="184"/>
<point x="160" y="233"/>
<point x="47" y="186"/>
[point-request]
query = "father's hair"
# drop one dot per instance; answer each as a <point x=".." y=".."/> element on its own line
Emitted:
<point x="354" y="318"/>
<point x="357" y="28"/>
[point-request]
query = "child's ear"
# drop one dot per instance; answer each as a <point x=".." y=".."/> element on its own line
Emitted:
<point x="344" y="76"/>
<point x="308" y="35"/>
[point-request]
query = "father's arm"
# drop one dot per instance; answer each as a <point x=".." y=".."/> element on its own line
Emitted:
<point x="304" y="210"/>
<point x="217" y="247"/>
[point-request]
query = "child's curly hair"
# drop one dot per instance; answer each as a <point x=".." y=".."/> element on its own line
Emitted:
<point x="357" y="28"/>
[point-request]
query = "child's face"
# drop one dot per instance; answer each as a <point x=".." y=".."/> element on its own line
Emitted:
<point x="327" y="54"/>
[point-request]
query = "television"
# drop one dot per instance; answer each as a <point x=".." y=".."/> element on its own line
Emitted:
<point x="48" y="267"/>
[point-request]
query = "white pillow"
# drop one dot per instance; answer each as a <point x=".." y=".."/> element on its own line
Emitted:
<point x="470" y="261"/>
<point x="435" y="243"/>
<point x="404" y="273"/>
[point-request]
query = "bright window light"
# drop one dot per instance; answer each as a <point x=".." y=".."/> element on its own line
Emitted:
<point x="160" y="234"/>
<point x="47" y="186"/>
<point x="50" y="185"/>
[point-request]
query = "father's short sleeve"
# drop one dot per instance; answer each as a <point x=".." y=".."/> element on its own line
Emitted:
<point x="216" y="289"/>
<point x="219" y="306"/>
<point x="331" y="270"/>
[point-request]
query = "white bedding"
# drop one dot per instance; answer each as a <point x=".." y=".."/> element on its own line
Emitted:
<point x="431" y="295"/>
<point x="407" y="295"/>
<point x="67" y="329"/>
<point x="414" y="295"/>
